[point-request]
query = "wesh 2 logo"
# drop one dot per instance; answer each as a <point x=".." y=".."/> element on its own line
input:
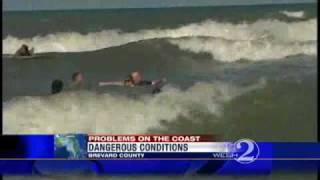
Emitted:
<point x="244" y="151"/>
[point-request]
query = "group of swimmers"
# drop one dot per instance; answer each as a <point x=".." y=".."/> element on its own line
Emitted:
<point x="132" y="80"/>
<point x="77" y="83"/>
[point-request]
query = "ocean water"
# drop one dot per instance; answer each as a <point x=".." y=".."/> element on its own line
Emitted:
<point x="238" y="72"/>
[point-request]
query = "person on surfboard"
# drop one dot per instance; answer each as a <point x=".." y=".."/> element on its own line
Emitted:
<point x="24" y="51"/>
<point x="136" y="79"/>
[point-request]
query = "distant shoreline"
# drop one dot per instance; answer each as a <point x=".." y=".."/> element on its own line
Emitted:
<point x="167" y="7"/>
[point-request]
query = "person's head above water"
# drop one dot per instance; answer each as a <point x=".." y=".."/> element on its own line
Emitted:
<point x="77" y="77"/>
<point x="136" y="77"/>
<point x="24" y="46"/>
<point x="56" y="86"/>
<point x="23" y="51"/>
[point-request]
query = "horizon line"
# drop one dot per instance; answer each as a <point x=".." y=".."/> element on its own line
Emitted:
<point x="163" y="7"/>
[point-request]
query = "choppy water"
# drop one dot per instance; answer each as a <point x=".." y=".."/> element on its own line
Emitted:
<point x="234" y="71"/>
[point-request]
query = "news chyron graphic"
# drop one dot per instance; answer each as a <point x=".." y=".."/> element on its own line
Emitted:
<point x="154" y="146"/>
<point x="149" y="154"/>
<point x="72" y="146"/>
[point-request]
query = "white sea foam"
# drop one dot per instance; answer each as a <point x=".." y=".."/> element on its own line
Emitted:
<point x="88" y="112"/>
<point x="293" y="14"/>
<point x="292" y="38"/>
<point x="229" y="50"/>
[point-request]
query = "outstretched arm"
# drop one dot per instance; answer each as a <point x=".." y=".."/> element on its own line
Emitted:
<point x="111" y="83"/>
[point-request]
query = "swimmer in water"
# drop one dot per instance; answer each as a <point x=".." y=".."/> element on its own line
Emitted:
<point x="134" y="79"/>
<point x="137" y="80"/>
<point x="77" y="81"/>
<point x="24" y="51"/>
<point x="56" y="86"/>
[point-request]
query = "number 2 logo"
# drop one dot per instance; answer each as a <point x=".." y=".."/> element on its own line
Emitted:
<point x="247" y="151"/>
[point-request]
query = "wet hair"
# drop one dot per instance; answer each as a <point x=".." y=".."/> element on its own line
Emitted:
<point x="24" y="46"/>
<point x="56" y="86"/>
<point x="74" y="75"/>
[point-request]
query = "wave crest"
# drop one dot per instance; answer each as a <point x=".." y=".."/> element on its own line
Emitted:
<point x="275" y="33"/>
<point x="293" y="14"/>
<point x="228" y="50"/>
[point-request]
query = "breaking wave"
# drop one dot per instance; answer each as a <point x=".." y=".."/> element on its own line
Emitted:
<point x="253" y="41"/>
<point x="293" y="14"/>
<point x="89" y="112"/>
<point x="229" y="50"/>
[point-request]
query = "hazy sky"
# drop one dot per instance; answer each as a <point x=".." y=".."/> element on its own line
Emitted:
<point x="106" y="4"/>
